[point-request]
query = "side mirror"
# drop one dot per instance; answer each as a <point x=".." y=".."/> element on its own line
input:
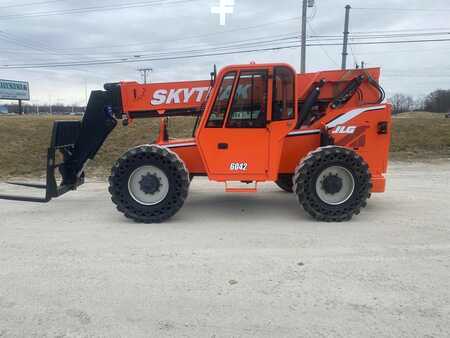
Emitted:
<point x="213" y="76"/>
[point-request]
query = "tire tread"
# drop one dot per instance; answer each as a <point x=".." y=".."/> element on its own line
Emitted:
<point x="308" y="167"/>
<point x="141" y="213"/>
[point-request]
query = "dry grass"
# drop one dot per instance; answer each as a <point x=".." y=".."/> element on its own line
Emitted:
<point x="24" y="141"/>
<point x="420" y="137"/>
<point x="420" y="115"/>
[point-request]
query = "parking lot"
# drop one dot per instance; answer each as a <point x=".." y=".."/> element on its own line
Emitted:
<point x="230" y="265"/>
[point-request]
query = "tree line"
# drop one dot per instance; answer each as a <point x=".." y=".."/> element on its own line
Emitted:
<point x="435" y="102"/>
<point x="44" y="109"/>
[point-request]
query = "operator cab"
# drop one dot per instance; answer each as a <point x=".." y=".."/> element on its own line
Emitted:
<point x="251" y="110"/>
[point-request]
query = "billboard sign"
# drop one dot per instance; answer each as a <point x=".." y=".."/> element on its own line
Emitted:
<point x="14" y="90"/>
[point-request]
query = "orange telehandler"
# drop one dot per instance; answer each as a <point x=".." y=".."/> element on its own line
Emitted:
<point x="323" y="136"/>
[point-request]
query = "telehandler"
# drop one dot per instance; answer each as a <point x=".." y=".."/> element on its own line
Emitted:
<point x="323" y="136"/>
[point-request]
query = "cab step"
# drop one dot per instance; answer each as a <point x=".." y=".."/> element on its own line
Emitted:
<point x="230" y="186"/>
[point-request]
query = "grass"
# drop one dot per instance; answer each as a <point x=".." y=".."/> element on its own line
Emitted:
<point x="24" y="141"/>
<point x="420" y="136"/>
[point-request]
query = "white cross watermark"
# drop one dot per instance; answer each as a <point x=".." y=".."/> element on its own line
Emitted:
<point x="225" y="7"/>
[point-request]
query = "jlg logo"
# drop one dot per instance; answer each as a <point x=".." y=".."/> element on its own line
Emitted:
<point x="176" y="96"/>
<point x="344" y="130"/>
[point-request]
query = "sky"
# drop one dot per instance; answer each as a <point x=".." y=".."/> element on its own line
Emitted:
<point x="48" y="32"/>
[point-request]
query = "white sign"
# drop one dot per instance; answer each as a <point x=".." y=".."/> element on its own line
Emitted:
<point x="14" y="90"/>
<point x="225" y="7"/>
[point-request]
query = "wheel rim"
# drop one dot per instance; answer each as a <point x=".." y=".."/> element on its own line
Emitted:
<point x="148" y="185"/>
<point x="335" y="185"/>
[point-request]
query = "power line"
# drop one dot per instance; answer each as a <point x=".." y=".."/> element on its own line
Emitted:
<point x="388" y="74"/>
<point x="402" y="9"/>
<point x="316" y="37"/>
<point x="184" y="38"/>
<point x="242" y="28"/>
<point x="68" y="52"/>
<point x="322" y="48"/>
<point x="397" y="51"/>
<point x="6" y="37"/>
<point x="94" y="9"/>
<point x="314" y="32"/>
<point x="387" y="42"/>
<point x="402" y="30"/>
<point x="31" y="4"/>
<point x="197" y="55"/>
<point x="28" y="44"/>
<point x="120" y="61"/>
<point x="380" y="36"/>
<point x="355" y="61"/>
<point x="240" y="43"/>
<point x="162" y="55"/>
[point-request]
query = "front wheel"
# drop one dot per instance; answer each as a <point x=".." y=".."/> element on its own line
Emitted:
<point x="333" y="183"/>
<point x="149" y="184"/>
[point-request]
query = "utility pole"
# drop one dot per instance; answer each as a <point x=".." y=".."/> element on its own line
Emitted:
<point x="50" y="105"/>
<point x="85" y="92"/>
<point x="303" y="48"/>
<point x="144" y="72"/>
<point x="346" y="33"/>
<point x="306" y="4"/>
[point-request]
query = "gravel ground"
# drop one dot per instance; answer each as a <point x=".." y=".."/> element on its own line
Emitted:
<point x="230" y="265"/>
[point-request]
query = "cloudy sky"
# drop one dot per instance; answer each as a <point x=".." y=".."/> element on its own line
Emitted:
<point x="37" y="35"/>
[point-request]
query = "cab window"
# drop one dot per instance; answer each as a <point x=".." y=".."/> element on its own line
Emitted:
<point x="248" y="109"/>
<point x="219" y="109"/>
<point x="283" y="94"/>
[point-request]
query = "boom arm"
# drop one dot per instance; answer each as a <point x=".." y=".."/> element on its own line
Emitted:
<point x="159" y="99"/>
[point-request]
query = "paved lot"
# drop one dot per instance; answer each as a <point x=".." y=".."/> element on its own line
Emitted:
<point x="230" y="265"/>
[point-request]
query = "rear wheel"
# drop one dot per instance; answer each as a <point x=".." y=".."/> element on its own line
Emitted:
<point x="285" y="182"/>
<point x="333" y="183"/>
<point x="149" y="184"/>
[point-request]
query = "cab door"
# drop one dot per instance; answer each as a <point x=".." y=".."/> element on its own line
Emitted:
<point x="283" y="114"/>
<point x="234" y="140"/>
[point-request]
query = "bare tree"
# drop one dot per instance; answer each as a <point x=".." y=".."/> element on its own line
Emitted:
<point x="438" y="101"/>
<point x="402" y="103"/>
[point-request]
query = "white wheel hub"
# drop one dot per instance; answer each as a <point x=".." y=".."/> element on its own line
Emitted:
<point x="335" y="185"/>
<point x="148" y="185"/>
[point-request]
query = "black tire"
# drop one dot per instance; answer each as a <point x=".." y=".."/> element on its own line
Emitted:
<point x="309" y="171"/>
<point x="285" y="183"/>
<point x="163" y="159"/>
